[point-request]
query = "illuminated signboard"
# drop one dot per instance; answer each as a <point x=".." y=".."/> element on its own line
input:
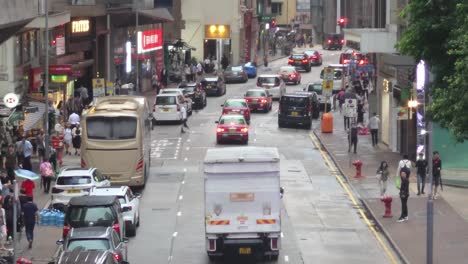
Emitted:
<point x="80" y="26"/>
<point x="217" y="31"/>
<point x="59" y="78"/>
<point x="149" y="40"/>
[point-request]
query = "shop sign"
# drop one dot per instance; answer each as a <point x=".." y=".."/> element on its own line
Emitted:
<point x="60" y="69"/>
<point x="149" y="40"/>
<point x="59" y="78"/>
<point x="80" y="26"/>
<point x="35" y="78"/>
<point x="217" y="31"/>
<point x="99" y="87"/>
<point x="11" y="100"/>
<point x="76" y="73"/>
<point x="60" y="46"/>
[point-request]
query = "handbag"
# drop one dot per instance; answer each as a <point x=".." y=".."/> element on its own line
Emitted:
<point x="398" y="182"/>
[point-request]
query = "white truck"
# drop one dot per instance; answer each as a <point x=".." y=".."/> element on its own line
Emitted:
<point x="242" y="202"/>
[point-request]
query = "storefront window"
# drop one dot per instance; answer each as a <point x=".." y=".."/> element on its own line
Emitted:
<point x="18" y="50"/>
<point x="25" y="46"/>
<point x="32" y="44"/>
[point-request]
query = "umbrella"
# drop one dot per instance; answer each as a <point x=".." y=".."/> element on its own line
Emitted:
<point x="26" y="174"/>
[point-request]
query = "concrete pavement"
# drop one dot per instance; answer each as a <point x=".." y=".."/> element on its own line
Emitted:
<point x="408" y="238"/>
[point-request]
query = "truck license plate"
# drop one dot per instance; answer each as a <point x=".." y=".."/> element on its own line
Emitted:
<point x="245" y="251"/>
<point x="294" y="113"/>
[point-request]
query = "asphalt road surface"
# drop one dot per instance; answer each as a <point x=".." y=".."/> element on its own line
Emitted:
<point x="320" y="223"/>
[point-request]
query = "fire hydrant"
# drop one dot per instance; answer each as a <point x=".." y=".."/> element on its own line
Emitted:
<point x="358" y="165"/>
<point x="388" y="206"/>
<point x="23" y="261"/>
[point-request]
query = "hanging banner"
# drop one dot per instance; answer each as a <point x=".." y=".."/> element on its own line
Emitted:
<point x="149" y="40"/>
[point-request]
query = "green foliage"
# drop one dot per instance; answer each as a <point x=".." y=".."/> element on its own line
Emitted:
<point x="438" y="33"/>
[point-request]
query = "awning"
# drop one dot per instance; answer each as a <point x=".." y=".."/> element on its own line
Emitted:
<point x="123" y="17"/>
<point x="31" y="119"/>
<point x="55" y="19"/>
<point x="9" y="30"/>
<point x="160" y="14"/>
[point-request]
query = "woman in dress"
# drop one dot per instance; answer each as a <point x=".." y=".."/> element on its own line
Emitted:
<point x="67" y="138"/>
<point x="77" y="139"/>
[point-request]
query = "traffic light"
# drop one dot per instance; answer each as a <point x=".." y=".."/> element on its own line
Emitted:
<point x="342" y="21"/>
<point x="273" y="22"/>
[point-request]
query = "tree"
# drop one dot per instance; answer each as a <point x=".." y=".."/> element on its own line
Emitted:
<point x="437" y="33"/>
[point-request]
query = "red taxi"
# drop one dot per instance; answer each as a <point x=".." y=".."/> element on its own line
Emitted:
<point x="236" y="106"/>
<point x="258" y="100"/>
<point x="232" y="128"/>
<point x="289" y="74"/>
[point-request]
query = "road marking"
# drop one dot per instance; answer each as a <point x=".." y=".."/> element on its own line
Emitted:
<point x="353" y="200"/>
<point x="188" y="148"/>
<point x="181" y="197"/>
<point x="175" y="234"/>
<point x="286" y="258"/>
<point x="185" y="169"/>
<point x="282" y="235"/>
<point x="179" y="213"/>
<point x="183" y="182"/>
<point x="185" y="159"/>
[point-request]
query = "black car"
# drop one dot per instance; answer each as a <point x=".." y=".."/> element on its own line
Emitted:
<point x="235" y="74"/>
<point x="298" y="109"/>
<point x="214" y="85"/>
<point x="301" y="61"/>
<point x="87" y="257"/>
<point x="196" y="92"/>
<point x="333" y="41"/>
<point x="86" y="211"/>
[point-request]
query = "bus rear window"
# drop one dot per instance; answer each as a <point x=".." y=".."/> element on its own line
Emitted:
<point x="111" y="128"/>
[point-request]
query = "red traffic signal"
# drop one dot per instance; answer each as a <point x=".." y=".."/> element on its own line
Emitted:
<point x="273" y="23"/>
<point x="342" y="21"/>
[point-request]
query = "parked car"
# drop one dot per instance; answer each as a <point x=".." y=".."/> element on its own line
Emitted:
<point x="289" y="74"/>
<point x="238" y="107"/>
<point x="314" y="56"/>
<point x="96" y="238"/>
<point x="258" y="100"/>
<point x="214" y="85"/>
<point x="317" y="88"/>
<point x="235" y="74"/>
<point x="273" y="83"/>
<point x="232" y="128"/>
<point x="167" y="107"/>
<point x="87" y="211"/>
<point x="333" y="41"/>
<point x="296" y="109"/>
<point x="251" y="69"/>
<point x="187" y="101"/>
<point x="300" y="61"/>
<point x="195" y="92"/>
<point x="129" y="202"/>
<point x="87" y="257"/>
<point x="74" y="182"/>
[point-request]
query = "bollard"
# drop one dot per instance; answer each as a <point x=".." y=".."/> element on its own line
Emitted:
<point x="388" y="206"/>
<point x="358" y="165"/>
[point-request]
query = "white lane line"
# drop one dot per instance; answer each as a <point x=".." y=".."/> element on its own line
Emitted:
<point x="282" y="235"/>
<point x="183" y="182"/>
<point x="185" y="169"/>
<point x="188" y="140"/>
<point x="255" y="139"/>
<point x="188" y="148"/>
<point x="175" y="234"/>
<point x="286" y="258"/>
<point x="185" y="159"/>
<point x="181" y="197"/>
<point x="179" y="213"/>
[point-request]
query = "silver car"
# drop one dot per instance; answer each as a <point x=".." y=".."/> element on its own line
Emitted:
<point x="273" y="83"/>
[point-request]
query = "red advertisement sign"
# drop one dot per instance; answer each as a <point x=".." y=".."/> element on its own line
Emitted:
<point x="35" y="79"/>
<point x="149" y="40"/>
<point x="60" y="69"/>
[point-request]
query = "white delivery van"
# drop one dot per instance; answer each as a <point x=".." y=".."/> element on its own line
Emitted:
<point x="242" y="202"/>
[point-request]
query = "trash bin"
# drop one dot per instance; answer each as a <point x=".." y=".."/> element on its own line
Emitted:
<point x="327" y="123"/>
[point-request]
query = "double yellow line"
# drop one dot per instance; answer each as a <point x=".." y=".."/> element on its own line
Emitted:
<point x="353" y="199"/>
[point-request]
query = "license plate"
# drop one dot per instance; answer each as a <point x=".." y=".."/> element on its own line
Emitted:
<point x="245" y="251"/>
<point x="294" y="113"/>
<point x="73" y="191"/>
<point x="166" y="110"/>
<point x="232" y="130"/>
<point x="298" y="63"/>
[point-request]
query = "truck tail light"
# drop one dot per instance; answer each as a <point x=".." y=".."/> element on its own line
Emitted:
<point x="263" y="101"/>
<point x="274" y="243"/>
<point x="139" y="166"/>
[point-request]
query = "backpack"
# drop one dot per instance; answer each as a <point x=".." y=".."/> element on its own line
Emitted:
<point x="406" y="165"/>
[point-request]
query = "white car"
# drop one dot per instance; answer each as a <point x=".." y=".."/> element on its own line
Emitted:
<point x="179" y="91"/>
<point x="129" y="201"/>
<point x="273" y="83"/>
<point x="167" y="107"/>
<point x="73" y="182"/>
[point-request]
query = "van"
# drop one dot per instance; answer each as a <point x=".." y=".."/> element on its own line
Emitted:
<point x="297" y="109"/>
<point x="273" y="84"/>
<point x="167" y="107"/>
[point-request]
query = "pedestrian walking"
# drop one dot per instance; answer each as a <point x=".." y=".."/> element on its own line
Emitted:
<point x="76" y="134"/>
<point x="84" y="96"/>
<point x="404" y="194"/>
<point x="73" y="120"/>
<point x="53" y="157"/>
<point x="374" y="123"/>
<point x="224" y="62"/>
<point x="405" y="163"/>
<point x="193" y="72"/>
<point x="30" y="216"/>
<point x="421" y="168"/>
<point x="10" y="162"/>
<point x="47" y="173"/>
<point x="6" y="183"/>
<point x="8" y="206"/>
<point x="383" y="177"/>
<point x="40" y="144"/>
<point x="183" y="110"/>
<point x="353" y="137"/>
<point x="3" y="228"/>
<point x="27" y="149"/>
<point x="69" y="106"/>
<point x="19" y="150"/>
<point x="27" y="187"/>
<point x="67" y="138"/>
<point x="341" y="99"/>
<point x="436" y="173"/>
<point x="187" y="72"/>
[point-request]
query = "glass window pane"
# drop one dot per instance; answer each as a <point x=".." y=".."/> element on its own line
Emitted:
<point x="88" y="244"/>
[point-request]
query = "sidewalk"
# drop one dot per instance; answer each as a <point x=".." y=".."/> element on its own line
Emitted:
<point x="45" y="237"/>
<point x="408" y="238"/>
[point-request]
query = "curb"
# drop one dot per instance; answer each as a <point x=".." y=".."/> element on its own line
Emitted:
<point x="375" y="217"/>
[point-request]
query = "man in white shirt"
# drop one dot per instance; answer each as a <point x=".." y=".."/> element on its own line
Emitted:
<point x="183" y="110"/>
<point x="27" y="149"/>
<point x="374" y="122"/>
<point x="74" y="119"/>
<point x="405" y="163"/>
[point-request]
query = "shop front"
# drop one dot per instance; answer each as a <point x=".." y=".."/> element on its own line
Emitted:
<point x="217" y="42"/>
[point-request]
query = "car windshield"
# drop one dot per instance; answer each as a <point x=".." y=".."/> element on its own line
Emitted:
<point x="293" y="101"/>
<point x="234" y="69"/>
<point x="231" y="121"/>
<point x="255" y="93"/>
<point x="166" y="100"/>
<point x="297" y="56"/>
<point x="73" y="180"/>
<point x="235" y="103"/>
<point x="266" y="80"/>
<point x="310" y="52"/>
<point x="337" y="74"/>
<point x="111" y="128"/>
<point x="82" y="216"/>
<point x="189" y="89"/>
<point x="88" y="244"/>
<point x="315" y="88"/>
<point x="168" y="91"/>
<point x="287" y="70"/>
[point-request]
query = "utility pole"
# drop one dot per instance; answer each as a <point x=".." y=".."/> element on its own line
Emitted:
<point x="430" y="201"/>
<point x="46" y="81"/>
<point x="338" y="15"/>
<point x="137" y="66"/>
<point x="108" y="51"/>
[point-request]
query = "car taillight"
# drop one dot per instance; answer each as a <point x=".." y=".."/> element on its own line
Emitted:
<point x="263" y="101"/>
<point x="56" y="190"/>
<point x="361" y="62"/>
<point x="117" y="257"/>
<point x="290" y="61"/>
<point x="248" y="100"/>
<point x="220" y="129"/>
<point x="211" y="244"/>
<point x="304" y="61"/>
<point x="342" y="41"/>
<point x="245" y="130"/>
<point x="345" y="61"/>
<point x="139" y="166"/>
<point x="274" y="243"/>
<point x="314" y="57"/>
<point x="66" y="230"/>
<point x="329" y="41"/>
<point x="83" y="163"/>
<point x="293" y="75"/>
<point x="116" y="227"/>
